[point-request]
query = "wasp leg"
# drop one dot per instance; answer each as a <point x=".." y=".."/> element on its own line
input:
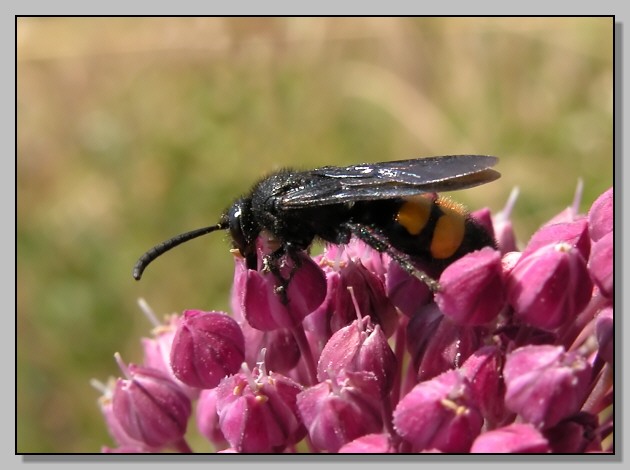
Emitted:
<point x="271" y="263"/>
<point x="377" y="240"/>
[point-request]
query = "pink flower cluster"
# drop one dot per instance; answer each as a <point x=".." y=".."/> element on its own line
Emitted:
<point x="513" y="354"/>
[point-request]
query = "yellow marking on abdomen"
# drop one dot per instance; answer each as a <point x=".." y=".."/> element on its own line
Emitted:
<point x="414" y="214"/>
<point x="449" y="230"/>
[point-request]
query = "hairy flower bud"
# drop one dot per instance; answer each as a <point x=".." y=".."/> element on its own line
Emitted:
<point x="269" y="305"/>
<point x="550" y="286"/>
<point x="207" y="347"/>
<point x="471" y="289"/>
<point x="439" y="414"/>
<point x="360" y="346"/>
<point x="573" y="233"/>
<point x="437" y="344"/>
<point x="544" y="384"/>
<point x="257" y="411"/>
<point x="341" y="409"/>
<point x="369" y="294"/>
<point x="484" y="371"/>
<point x="150" y="407"/>
<point x="407" y="292"/>
<point x="157" y="353"/>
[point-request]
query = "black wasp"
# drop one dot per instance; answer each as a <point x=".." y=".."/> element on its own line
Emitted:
<point x="391" y="206"/>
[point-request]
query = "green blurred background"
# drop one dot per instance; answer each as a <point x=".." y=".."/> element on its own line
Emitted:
<point x="131" y="130"/>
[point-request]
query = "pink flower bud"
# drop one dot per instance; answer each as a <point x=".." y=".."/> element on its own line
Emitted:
<point x="157" y="352"/>
<point x="439" y="414"/>
<point x="437" y="344"/>
<point x="281" y="350"/>
<point x="519" y="438"/>
<point x="550" y="286"/>
<point x="339" y="410"/>
<point x="264" y="305"/>
<point x="150" y="407"/>
<point x="407" y="292"/>
<point x="318" y="321"/>
<point x="357" y="250"/>
<point x="207" y="347"/>
<point x="484" y="371"/>
<point x="544" y="384"/>
<point x="360" y="346"/>
<point x="471" y="288"/>
<point x="573" y="233"/>
<point x="257" y="412"/>
<point x="369" y="293"/>
<point x="117" y="432"/>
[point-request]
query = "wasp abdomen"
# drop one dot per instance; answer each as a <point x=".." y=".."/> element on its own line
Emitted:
<point x="429" y="227"/>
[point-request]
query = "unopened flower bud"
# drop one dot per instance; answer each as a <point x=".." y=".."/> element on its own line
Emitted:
<point x="369" y="293"/>
<point x="518" y="438"/>
<point x="207" y="346"/>
<point x="157" y="352"/>
<point x="117" y="432"/>
<point x="257" y="411"/>
<point x="407" y="292"/>
<point x="341" y="409"/>
<point x="358" y="251"/>
<point x="150" y="407"/>
<point x="550" y="286"/>
<point x="545" y="384"/>
<point x="484" y="371"/>
<point x="471" y="288"/>
<point x="437" y="344"/>
<point x="573" y="233"/>
<point x="269" y="305"/>
<point x="439" y="414"/>
<point x="360" y="346"/>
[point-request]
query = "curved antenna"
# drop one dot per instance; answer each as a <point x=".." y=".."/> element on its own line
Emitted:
<point x="163" y="247"/>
